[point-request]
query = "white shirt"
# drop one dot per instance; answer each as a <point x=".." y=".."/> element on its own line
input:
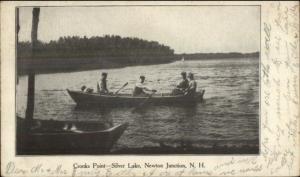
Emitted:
<point x="192" y="85"/>
<point x="143" y="86"/>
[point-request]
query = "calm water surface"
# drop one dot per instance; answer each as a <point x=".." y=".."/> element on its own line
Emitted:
<point x="230" y="112"/>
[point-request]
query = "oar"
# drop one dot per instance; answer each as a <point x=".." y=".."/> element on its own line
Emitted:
<point x="121" y="88"/>
<point x="143" y="103"/>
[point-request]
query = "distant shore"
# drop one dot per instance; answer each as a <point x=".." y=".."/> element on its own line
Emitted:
<point x="74" y="53"/>
<point x="206" y="56"/>
<point x="56" y="65"/>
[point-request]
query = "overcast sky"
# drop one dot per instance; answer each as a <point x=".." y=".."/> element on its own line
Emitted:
<point x="186" y="29"/>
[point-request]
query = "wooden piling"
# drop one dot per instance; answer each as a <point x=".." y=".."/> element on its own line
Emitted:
<point x="31" y="73"/>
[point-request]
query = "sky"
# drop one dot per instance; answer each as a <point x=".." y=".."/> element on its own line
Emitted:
<point x="186" y="29"/>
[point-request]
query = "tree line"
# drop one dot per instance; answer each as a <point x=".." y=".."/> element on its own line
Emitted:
<point x="109" y="46"/>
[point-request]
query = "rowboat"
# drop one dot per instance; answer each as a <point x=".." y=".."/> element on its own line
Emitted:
<point x="83" y="99"/>
<point x="65" y="137"/>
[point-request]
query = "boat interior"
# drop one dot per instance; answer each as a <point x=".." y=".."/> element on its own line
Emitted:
<point x="54" y="126"/>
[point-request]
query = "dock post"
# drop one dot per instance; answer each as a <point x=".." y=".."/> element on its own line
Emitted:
<point x="31" y="72"/>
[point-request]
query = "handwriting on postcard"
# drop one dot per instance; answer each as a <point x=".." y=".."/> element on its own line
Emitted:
<point x="280" y="88"/>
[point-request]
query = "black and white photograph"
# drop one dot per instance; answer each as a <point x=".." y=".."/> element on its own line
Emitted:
<point x="138" y="80"/>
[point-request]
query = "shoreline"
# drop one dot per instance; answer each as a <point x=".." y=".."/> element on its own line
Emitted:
<point x="51" y="66"/>
<point x="186" y="148"/>
<point x="217" y="150"/>
<point x="48" y="66"/>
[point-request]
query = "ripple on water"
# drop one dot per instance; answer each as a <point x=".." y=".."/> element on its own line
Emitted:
<point x="230" y="112"/>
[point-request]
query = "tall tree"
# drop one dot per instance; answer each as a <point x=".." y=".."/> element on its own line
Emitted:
<point x="31" y="73"/>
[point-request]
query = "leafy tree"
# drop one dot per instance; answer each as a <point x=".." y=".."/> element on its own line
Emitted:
<point x="112" y="47"/>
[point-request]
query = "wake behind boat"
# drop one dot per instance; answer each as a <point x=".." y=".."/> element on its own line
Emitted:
<point x="83" y="98"/>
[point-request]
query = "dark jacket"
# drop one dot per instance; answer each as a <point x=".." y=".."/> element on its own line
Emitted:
<point x="184" y="84"/>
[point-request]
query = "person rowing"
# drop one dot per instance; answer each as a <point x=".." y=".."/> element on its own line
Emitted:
<point x="141" y="89"/>
<point x="102" y="84"/>
<point x="182" y="86"/>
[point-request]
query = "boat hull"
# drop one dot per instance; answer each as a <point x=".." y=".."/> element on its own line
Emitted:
<point x="83" y="99"/>
<point x="50" y="137"/>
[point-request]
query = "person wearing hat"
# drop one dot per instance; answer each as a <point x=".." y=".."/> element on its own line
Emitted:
<point x="141" y="89"/>
<point x="191" y="90"/>
<point x="182" y="86"/>
<point x="102" y="85"/>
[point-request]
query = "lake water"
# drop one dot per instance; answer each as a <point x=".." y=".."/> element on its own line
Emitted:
<point x="229" y="113"/>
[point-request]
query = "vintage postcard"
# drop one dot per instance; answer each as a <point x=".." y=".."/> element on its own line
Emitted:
<point x="149" y="89"/>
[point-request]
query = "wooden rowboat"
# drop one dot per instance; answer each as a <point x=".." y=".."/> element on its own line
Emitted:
<point x="83" y="99"/>
<point x="65" y="137"/>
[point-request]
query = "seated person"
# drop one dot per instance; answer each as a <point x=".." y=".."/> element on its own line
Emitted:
<point x="140" y="89"/>
<point x="102" y="84"/>
<point x="87" y="90"/>
<point x="182" y="86"/>
<point x="191" y="90"/>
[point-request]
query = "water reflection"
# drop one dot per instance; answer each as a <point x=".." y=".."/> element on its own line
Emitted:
<point x="100" y="114"/>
